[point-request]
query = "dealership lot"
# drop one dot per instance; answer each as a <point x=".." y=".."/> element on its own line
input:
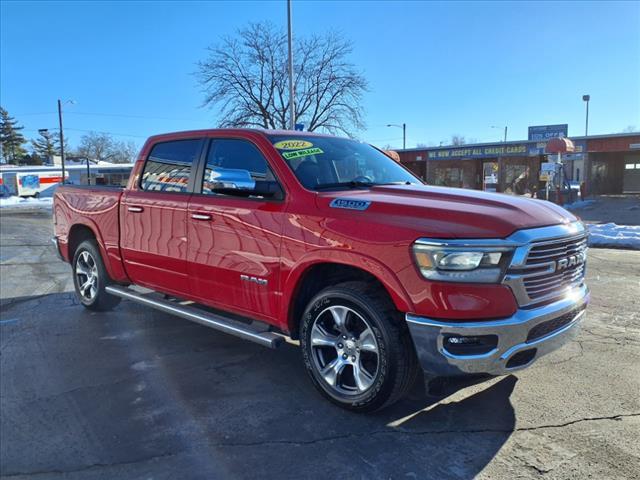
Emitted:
<point x="136" y="393"/>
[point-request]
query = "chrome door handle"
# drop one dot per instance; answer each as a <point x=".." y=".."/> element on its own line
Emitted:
<point x="201" y="216"/>
<point x="135" y="209"/>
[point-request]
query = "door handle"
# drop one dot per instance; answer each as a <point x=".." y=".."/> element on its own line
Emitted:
<point x="201" y="216"/>
<point x="135" y="209"/>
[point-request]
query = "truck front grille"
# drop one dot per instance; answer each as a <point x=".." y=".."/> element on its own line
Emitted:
<point x="567" y="257"/>
<point x="549" y="269"/>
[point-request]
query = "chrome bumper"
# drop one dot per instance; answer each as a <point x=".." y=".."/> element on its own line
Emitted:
<point x="514" y="337"/>
<point x="54" y="240"/>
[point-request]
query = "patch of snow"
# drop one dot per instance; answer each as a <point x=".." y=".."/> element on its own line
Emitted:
<point x="21" y="202"/>
<point x="579" y="204"/>
<point x="616" y="236"/>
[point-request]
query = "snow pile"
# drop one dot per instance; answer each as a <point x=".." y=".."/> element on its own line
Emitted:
<point x="616" y="236"/>
<point x="579" y="204"/>
<point x="20" y="202"/>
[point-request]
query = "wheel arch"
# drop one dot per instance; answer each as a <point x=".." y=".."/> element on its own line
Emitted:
<point x="310" y="278"/>
<point x="81" y="231"/>
<point x="78" y="234"/>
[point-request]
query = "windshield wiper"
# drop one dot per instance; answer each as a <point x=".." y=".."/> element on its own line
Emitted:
<point x="350" y="184"/>
<point x="407" y="182"/>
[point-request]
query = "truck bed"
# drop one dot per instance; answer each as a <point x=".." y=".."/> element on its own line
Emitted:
<point x="94" y="207"/>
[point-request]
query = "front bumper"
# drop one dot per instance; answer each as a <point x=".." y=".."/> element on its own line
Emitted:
<point x="56" y="245"/>
<point x="521" y="338"/>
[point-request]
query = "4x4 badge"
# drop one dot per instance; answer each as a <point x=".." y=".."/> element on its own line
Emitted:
<point x="350" y="204"/>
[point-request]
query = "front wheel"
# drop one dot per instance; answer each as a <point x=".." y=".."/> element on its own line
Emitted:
<point x="90" y="278"/>
<point x="356" y="347"/>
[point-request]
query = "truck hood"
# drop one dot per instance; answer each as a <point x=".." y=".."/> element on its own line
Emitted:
<point x="441" y="212"/>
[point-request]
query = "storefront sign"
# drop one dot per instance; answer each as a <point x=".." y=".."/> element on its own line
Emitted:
<point x="489" y="151"/>
<point x="545" y="132"/>
<point x="547" y="171"/>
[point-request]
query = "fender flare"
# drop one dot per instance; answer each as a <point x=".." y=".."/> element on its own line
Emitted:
<point x="91" y="225"/>
<point x="364" y="262"/>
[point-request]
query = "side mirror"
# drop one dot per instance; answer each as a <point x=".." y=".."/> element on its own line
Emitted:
<point x="231" y="179"/>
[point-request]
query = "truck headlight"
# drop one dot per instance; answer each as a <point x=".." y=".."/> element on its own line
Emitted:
<point x="449" y="262"/>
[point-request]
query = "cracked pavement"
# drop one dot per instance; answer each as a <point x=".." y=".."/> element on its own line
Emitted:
<point x="136" y="393"/>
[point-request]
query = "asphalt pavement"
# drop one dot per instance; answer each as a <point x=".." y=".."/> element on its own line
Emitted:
<point x="136" y="393"/>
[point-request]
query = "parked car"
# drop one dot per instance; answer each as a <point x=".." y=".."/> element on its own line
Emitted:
<point x="329" y="241"/>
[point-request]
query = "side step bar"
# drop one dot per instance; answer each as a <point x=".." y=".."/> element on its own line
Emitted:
<point x="208" y="319"/>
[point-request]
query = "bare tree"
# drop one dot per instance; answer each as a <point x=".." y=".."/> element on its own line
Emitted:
<point x="124" y="152"/>
<point x="457" y="140"/>
<point x="103" y="147"/>
<point x="245" y="78"/>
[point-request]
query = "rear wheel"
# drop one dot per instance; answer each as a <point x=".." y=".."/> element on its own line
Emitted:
<point x="90" y="278"/>
<point x="356" y="347"/>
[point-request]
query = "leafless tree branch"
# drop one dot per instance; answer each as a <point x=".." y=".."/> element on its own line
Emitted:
<point x="245" y="78"/>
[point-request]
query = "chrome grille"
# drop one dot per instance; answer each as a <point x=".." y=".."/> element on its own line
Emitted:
<point x="541" y="252"/>
<point x="546" y="268"/>
<point x="541" y="285"/>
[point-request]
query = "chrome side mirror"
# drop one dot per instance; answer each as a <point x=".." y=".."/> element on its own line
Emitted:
<point x="231" y="178"/>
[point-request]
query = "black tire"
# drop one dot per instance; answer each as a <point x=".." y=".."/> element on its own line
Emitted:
<point x="396" y="365"/>
<point x="93" y="297"/>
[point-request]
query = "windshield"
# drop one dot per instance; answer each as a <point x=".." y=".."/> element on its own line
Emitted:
<point x="324" y="163"/>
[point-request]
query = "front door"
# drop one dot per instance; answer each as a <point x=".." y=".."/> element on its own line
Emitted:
<point x="631" y="175"/>
<point x="235" y="235"/>
<point x="154" y="217"/>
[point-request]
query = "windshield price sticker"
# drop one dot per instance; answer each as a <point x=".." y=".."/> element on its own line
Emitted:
<point x="301" y="153"/>
<point x="292" y="144"/>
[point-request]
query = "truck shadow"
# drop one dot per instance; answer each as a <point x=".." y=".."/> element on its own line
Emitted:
<point x="143" y="384"/>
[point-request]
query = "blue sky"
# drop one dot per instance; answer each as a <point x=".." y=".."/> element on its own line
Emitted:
<point x="443" y="68"/>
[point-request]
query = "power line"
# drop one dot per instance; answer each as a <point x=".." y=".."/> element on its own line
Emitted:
<point x="108" y="133"/>
<point x="98" y="114"/>
<point x="34" y="114"/>
<point x="88" y="131"/>
<point x="123" y="115"/>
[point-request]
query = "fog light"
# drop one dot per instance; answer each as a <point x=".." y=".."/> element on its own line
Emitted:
<point x="460" y="340"/>
<point x="470" y="345"/>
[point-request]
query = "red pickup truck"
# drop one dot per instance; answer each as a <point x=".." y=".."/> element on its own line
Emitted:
<point x="326" y="240"/>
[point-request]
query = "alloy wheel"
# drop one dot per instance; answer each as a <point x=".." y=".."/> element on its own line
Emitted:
<point x="345" y="350"/>
<point x="87" y="276"/>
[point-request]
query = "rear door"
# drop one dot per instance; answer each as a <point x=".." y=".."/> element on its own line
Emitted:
<point x="154" y="217"/>
<point x="234" y="240"/>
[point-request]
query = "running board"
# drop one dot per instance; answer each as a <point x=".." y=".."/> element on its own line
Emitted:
<point x="208" y="319"/>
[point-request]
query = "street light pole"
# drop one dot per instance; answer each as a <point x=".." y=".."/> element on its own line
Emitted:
<point x="61" y="138"/>
<point x="404" y="133"/>
<point x="292" y="107"/>
<point x="505" y="132"/>
<point x="586" y="99"/>
<point x="587" y="160"/>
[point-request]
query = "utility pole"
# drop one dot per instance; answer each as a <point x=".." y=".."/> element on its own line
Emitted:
<point x="505" y="132"/>
<point x="404" y="136"/>
<point x="587" y="161"/>
<point x="586" y="99"/>
<point x="61" y="139"/>
<point x="292" y="107"/>
<point x="404" y="133"/>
